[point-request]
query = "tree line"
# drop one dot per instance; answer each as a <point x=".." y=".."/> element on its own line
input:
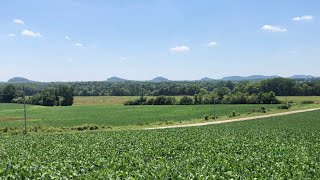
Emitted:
<point x="54" y="96"/>
<point x="280" y="86"/>
<point x="217" y="97"/>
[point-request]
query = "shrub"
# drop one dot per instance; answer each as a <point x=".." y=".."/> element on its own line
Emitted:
<point x="307" y="102"/>
<point x="185" y="100"/>
<point x="263" y="109"/>
<point x="284" y="106"/>
<point x="206" y="117"/>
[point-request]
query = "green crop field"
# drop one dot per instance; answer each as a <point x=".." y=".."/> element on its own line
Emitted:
<point x="109" y="115"/>
<point x="286" y="147"/>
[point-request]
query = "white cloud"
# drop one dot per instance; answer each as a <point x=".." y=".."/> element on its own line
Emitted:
<point x="31" y="33"/>
<point x="212" y="44"/>
<point x="273" y="28"/>
<point x="67" y="38"/>
<point x="12" y="35"/>
<point x="303" y="18"/>
<point x="78" y="45"/>
<point x="180" y="49"/>
<point x="18" y="21"/>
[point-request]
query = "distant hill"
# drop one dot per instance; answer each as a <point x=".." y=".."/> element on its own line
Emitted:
<point x="207" y="79"/>
<point x="248" y="78"/>
<point x="159" y="79"/>
<point x="116" y="79"/>
<point x="19" y="80"/>
<point x="303" y="77"/>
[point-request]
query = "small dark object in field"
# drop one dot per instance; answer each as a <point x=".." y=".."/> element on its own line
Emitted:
<point x="206" y="117"/>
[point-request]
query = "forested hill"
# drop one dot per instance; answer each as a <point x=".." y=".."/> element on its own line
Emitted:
<point x="281" y="86"/>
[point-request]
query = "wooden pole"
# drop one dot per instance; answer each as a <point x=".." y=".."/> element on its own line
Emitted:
<point x="25" y="112"/>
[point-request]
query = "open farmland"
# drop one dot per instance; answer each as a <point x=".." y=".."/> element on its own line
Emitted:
<point x="108" y="100"/>
<point x="286" y="147"/>
<point x="119" y="100"/>
<point x="109" y="115"/>
<point x="299" y="99"/>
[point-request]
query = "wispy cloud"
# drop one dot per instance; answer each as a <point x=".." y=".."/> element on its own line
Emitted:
<point x="180" y="49"/>
<point x="212" y="44"/>
<point x="67" y="38"/>
<point x="270" y="28"/>
<point x="78" y="45"/>
<point x="18" y="21"/>
<point x="30" y="33"/>
<point x="303" y="18"/>
<point x="12" y="35"/>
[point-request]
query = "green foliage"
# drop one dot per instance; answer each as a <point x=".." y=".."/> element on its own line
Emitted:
<point x="284" y="106"/>
<point x="185" y="100"/>
<point x="66" y="94"/>
<point x="163" y="100"/>
<point x="206" y="117"/>
<point x="159" y="100"/>
<point x="280" y="86"/>
<point x="307" y="102"/>
<point x="53" y="97"/>
<point x="141" y="101"/>
<point x="8" y="93"/>
<point x="284" y="147"/>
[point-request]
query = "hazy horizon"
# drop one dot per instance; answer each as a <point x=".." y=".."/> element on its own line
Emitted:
<point x="68" y="40"/>
<point x="151" y="78"/>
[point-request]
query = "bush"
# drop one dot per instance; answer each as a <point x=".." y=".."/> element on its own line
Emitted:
<point x="234" y="114"/>
<point x="284" y="106"/>
<point x="307" y="102"/>
<point x="185" y="100"/>
<point x="86" y="127"/>
<point x="160" y="100"/>
<point x="141" y="101"/>
<point x="206" y="117"/>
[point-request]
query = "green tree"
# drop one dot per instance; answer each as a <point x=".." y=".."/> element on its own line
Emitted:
<point x="66" y="93"/>
<point x="8" y="93"/>
<point x="185" y="100"/>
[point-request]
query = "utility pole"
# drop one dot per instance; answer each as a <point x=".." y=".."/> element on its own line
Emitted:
<point x="25" y="112"/>
<point x="214" y="107"/>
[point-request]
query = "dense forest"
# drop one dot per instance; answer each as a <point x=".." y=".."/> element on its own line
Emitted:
<point x="280" y="86"/>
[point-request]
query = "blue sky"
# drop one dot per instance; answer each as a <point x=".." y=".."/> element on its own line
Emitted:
<point x="74" y="40"/>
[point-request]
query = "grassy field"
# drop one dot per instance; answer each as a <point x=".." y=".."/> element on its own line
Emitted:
<point x="107" y="100"/>
<point x="109" y="111"/>
<point x="286" y="147"/>
<point x="119" y="100"/>
<point x="299" y="99"/>
<point x="102" y="100"/>
<point x="109" y="115"/>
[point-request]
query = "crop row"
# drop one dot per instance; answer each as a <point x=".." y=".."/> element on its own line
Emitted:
<point x="283" y="147"/>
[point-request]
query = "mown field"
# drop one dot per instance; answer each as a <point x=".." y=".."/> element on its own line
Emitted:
<point x="12" y="114"/>
<point x="119" y="100"/>
<point x="299" y="99"/>
<point x="286" y="147"/>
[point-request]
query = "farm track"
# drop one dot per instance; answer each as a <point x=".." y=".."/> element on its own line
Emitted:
<point x="234" y="120"/>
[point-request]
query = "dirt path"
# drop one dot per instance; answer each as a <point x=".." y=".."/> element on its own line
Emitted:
<point x="235" y="120"/>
